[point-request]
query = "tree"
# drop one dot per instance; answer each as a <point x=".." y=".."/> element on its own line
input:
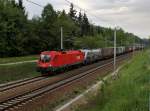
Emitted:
<point x="80" y="23"/>
<point x="49" y="13"/>
<point x="13" y="28"/>
<point x="69" y="27"/>
<point x="85" y="25"/>
<point x="12" y="2"/>
<point x="72" y="13"/>
<point x="20" y="4"/>
<point x="80" y="18"/>
<point x="50" y="28"/>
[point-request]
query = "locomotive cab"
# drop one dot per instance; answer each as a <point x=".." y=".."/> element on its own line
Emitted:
<point x="45" y="58"/>
<point x="44" y="62"/>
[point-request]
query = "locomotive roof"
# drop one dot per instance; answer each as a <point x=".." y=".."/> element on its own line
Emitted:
<point x="61" y="52"/>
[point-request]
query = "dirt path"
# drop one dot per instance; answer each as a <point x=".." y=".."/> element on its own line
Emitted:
<point x="14" y="63"/>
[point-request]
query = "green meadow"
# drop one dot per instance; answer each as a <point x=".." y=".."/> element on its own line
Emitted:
<point x="128" y="93"/>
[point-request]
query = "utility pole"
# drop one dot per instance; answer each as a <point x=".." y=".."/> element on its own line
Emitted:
<point x="133" y="47"/>
<point x="105" y="41"/>
<point x="115" y="34"/>
<point x="149" y="42"/>
<point x="61" y="30"/>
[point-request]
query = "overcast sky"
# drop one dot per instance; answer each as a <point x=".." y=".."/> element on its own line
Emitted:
<point x="132" y="15"/>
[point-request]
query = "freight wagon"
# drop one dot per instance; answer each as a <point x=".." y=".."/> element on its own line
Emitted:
<point x="107" y="52"/>
<point x="92" y="55"/>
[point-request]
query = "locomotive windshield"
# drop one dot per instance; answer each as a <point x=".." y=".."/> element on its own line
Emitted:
<point x="45" y="58"/>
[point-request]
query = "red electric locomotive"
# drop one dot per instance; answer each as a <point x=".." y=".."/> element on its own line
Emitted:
<point x="51" y="61"/>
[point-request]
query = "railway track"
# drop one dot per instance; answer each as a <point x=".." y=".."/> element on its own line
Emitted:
<point x="10" y="85"/>
<point x="23" y="98"/>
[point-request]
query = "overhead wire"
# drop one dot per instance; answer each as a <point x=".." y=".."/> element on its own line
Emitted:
<point x="87" y="12"/>
<point x="35" y="3"/>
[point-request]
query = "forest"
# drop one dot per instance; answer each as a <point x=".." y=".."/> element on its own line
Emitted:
<point x="21" y="36"/>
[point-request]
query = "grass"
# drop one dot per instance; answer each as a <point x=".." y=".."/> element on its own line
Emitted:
<point x="129" y="93"/>
<point x="16" y="72"/>
<point x="18" y="59"/>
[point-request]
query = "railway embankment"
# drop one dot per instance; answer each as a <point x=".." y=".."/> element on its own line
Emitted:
<point x="16" y="68"/>
<point x="27" y="99"/>
<point x="17" y="72"/>
<point x="129" y="92"/>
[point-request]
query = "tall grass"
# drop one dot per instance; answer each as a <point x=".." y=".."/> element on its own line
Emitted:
<point x="129" y="93"/>
<point x="18" y="71"/>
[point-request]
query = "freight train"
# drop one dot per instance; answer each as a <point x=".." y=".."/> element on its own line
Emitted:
<point x="52" y="61"/>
